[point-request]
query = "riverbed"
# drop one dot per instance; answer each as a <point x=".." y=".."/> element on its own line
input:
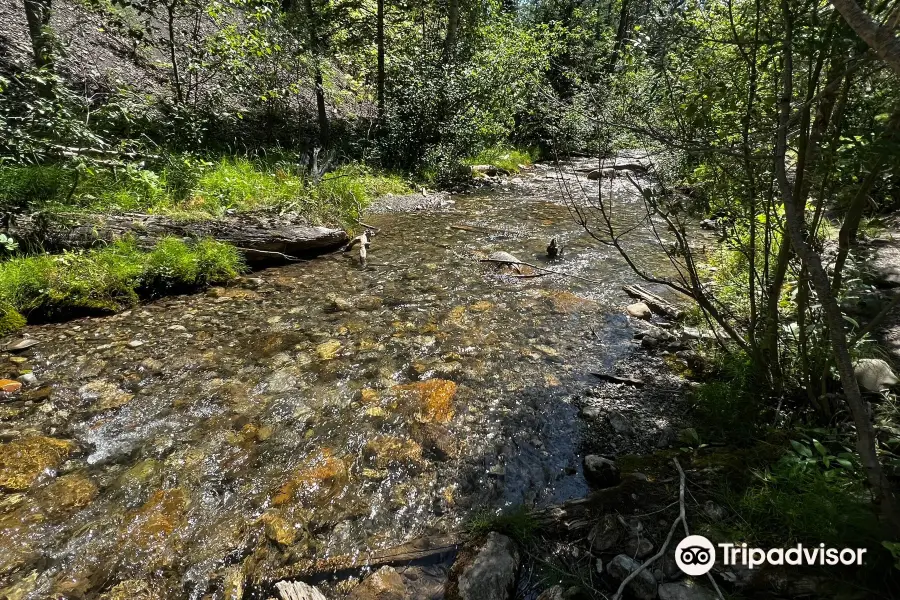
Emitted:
<point x="315" y="410"/>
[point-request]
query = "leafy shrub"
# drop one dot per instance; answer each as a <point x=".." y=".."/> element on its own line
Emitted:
<point x="728" y="406"/>
<point x="32" y="186"/>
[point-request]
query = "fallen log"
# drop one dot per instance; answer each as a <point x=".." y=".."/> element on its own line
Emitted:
<point x="611" y="171"/>
<point x="261" y="238"/>
<point x="655" y="303"/>
<point x="420" y="550"/>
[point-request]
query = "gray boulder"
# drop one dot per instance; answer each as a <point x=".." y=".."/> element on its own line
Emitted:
<point x="642" y="587"/>
<point x="492" y="575"/>
<point x="874" y="374"/>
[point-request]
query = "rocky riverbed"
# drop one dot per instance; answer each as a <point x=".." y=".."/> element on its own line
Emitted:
<point x="208" y="446"/>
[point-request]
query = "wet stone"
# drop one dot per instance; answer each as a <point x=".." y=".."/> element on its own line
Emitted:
<point x="23" y="461"/>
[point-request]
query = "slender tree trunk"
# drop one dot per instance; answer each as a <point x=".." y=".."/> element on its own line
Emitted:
<point x="176" y="76"/>
<point x="452" y="29"/>
<point x="317" y="75"/>
<point x="879" y="37"/>
<point x="794" y="214"/>
<point x="621" y="32"/>
<point x="37" y="15"/>
<point x="380" y="42"/>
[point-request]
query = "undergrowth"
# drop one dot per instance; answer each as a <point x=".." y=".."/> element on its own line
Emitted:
<point x="109" y="279"/>
<point x="184" y="186"/>
<point x="504" y="157"/>
<point x="516" y="523"/>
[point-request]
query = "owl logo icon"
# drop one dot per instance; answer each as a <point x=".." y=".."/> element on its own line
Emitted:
<point x="695" y="555"/>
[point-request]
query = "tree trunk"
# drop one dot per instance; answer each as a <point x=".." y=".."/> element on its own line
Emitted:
<point x="380" y="42"/>
<point x="621" y="32"/>
<point x="262" y="239"/>
<point x="37" y="14"/>
<point x="452" y="30"/>
<point x="880" y="38"/>
<point x="176" y="76"/>
<point x="320" y="88"/>
<point x="794" y="214"/>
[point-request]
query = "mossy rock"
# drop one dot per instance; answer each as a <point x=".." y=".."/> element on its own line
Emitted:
<point x="22" y="461"/>
<point x="10" y="319"/>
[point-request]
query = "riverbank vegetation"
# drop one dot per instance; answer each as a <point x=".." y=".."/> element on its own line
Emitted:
<point x="775" y="123"/>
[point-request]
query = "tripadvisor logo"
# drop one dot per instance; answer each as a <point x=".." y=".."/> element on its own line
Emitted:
<point x="695" y="555"/>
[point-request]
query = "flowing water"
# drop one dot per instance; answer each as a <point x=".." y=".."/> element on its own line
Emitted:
<point x="315" y="410"/>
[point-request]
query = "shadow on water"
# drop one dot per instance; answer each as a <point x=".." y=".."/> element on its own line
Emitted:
<point x="317" y="412"/>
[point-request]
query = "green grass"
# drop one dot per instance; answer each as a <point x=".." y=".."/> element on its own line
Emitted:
<point x="187" y="187"/>
<point x="110" y="279"/>
<point x="516" y="523"/>
<point x="504" y="157"/>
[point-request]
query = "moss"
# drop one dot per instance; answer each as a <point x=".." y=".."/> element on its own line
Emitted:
<point x="10" y="319"/>
<point x="112" y="278"/>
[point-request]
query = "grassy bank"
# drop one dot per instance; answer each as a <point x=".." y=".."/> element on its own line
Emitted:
<point x="186" y="186"/>
<point x="508" y="158"/>
<point x="109" y="279"/>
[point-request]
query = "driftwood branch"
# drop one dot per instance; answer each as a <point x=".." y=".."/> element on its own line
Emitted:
<point x="537" y="268"/>
<point x="655" y="303"/>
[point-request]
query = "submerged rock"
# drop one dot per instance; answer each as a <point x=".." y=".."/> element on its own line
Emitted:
<point x="104" y="395"/>
<point x="69" y="493"/>
<point x="492" y="575"/>
<point x="383" y="584"/>
<point x="157" y="518"/>
<point x="432" y="399"/>
<point x="23" y="461"/>
<point x="642" y="587"/>
<point x="387" y="451"/>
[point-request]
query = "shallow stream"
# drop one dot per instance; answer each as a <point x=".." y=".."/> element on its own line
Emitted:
<point x="315" y="410"/>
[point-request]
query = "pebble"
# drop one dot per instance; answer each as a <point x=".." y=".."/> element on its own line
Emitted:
<point x="135" y="344"/>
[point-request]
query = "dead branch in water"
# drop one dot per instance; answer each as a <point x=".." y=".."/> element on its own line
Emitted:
<point x="537" y="268"/>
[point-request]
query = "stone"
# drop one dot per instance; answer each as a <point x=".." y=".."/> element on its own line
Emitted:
<point x="297" y="590"/>
<point x="233" y="583"/>
<point x="684" y="590"/>
<point x="328" y="350"/>
<point x="667" y="437"/>
<point x="9" y="386"/>
<point x="492" y="574"/>
<point x="591" y="412"/>
<point x="23" y="344"/>
<point x="27" y="379"/>
<point x="383" y="584"/>
<point x="642" y="587"/>
<point x="135" y="344"/>
<point x="387" y="451"/>
<point x="554" y="593"/>
<point x="335" y="303"/>
<point x="70" y="493"/>
<point x="157" y="519"/>
<point x="432" y="399"/>
<point x="278" y="529"/>
<point x="620" y="423"/>
<point x="601" y="472"/>
<point x="605" y="534"/>
<point x="22" y="461"/>
<point x="874" y="374"/>
<point x="105" y="395"/>
<point x="639" y="310"/>
<point x="714" y="511"/>
<point x="638" y="547"/>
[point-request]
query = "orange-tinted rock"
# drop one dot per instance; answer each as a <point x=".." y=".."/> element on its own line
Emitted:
<point x="69" y="493"/>
<point x="9" y="386"/>
<point x="22" y="461"/>
<point x="433" y="399"/>
<point x="320" y="472"/>
<point x="157" y="518"/>
<point x="389" y="451"/>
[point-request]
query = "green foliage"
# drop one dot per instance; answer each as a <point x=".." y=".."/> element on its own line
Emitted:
<point x="797" y="500"/>
<point x="516" y="523"/>
<point x="728" y="405"/>
<point x="30" y="186"/>
<point x="505" y="157"/>
<point x="112" y="278"/>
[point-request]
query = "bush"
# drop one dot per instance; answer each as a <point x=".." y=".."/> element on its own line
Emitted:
<point x="112" y="278"/>
<point x="728" y="406"/>
<point x="32" y="186"/>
